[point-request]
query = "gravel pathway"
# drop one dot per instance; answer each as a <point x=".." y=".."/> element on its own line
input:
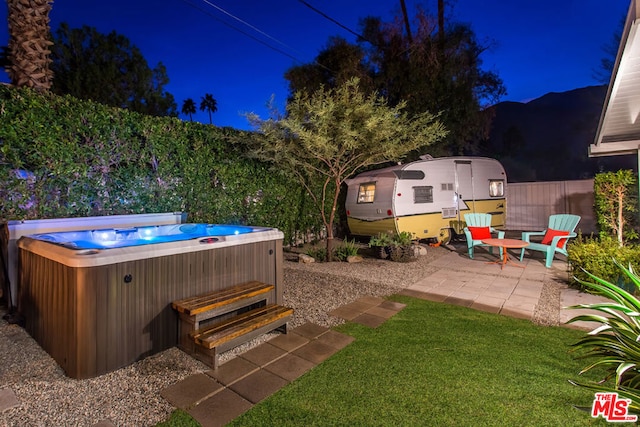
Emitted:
<point x="131" y="396"/>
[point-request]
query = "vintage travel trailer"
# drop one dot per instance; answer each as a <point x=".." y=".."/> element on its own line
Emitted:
<point x="427" y="198"/>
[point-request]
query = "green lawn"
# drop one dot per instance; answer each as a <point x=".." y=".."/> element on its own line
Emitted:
<point x="441" y="365"/>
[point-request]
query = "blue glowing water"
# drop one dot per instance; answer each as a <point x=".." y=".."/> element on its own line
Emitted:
<point x="138" y="236"/>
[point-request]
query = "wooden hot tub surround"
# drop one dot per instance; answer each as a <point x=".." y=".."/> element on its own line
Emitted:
<point x="97" y="312"/>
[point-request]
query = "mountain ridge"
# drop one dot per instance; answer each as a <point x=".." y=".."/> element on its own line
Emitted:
<point x="547" y="138"/>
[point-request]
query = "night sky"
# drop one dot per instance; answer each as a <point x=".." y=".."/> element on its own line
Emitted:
<point x="238" y="50"/>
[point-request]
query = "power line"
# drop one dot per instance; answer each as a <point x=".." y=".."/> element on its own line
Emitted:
<point x="249" y="25"/>
<point x="254" y="29"/>
<point x="339" y="24"/>
<point x="360" y="36"/>
<point x="244" y="32"/>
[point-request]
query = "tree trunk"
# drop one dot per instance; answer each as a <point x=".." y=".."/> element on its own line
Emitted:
<point x="29" y="53"/>
<point x="441" y="23"/>
<point x="332" y="217"/>
<point x="406" y="21"/>
<point x="330" y="244"/>
<point x="620" y="219"/>
<point x="441" y="38"/>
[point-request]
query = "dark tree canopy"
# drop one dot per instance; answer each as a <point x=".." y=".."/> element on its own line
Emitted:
<point x="110" y="70"/>
<point x="439" y="74"/>
<point x="209" y="104"/>
<point x="610" y="50"/>
<point x="338" y="62"/>
<point x="189" y="108"/>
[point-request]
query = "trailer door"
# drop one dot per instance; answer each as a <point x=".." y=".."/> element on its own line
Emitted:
<point x="465" y="190"/>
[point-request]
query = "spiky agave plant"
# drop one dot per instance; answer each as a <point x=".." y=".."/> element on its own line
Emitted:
<point x="615" y="343"/>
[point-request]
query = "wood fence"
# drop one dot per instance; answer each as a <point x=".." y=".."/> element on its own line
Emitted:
<point x="529" y="204"/>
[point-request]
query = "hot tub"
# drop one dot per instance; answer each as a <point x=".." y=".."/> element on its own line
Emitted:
<point x="13" y="230"/>
<point x="98" y="300"/>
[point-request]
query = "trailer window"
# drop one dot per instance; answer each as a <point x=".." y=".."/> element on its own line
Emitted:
<point x="496" y="188"/>
<point x="409" y="174"/>
<point x="423" y="194"/>
<point x="367" y="192"/>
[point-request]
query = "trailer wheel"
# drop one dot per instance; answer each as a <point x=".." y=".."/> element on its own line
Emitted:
<point x="445" y="236"/>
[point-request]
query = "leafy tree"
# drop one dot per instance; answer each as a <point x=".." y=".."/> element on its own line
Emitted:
<point x="615" y="203"/>
<point x="189" y="108"/>
<point x="338" y="62"/>
<point x="610" y="50"/>
<point x="436" y="73"/>
<point x="209" y="104"/>
<point x="28" y="52"/>
<point x="434" y="69"/>
<point x="330" y="134"/>
<point x="110" y="70"/>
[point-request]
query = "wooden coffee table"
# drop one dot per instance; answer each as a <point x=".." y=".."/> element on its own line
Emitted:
<point x="505" y="244"/>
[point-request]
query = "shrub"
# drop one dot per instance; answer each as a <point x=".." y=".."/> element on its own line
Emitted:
<point x="597" y="257"/>
<point x="615" y="203"/>
<point x="403" y="238"/>
<point x="614" y="343"/>
<point x="318" y="253"/>
<point x="63" y="157"/>
<point x="345" y="250"/>
<point x="380" y="240"/>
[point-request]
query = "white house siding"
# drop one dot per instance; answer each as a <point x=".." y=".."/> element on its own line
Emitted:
<point x="529" y="204"/>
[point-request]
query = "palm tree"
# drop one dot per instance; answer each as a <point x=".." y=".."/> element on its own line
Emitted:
<point x="28" y="50"/>
<point x="209" y="104"/>
<point x="189" y="108"/>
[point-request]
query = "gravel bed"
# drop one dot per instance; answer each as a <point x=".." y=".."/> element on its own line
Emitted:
<point x="547" y="312"/>
<point x="131" y="396"/>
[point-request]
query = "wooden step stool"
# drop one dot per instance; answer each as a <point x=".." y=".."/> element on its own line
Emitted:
<point x="230" y="333"/>
<point x="235" y="324"/>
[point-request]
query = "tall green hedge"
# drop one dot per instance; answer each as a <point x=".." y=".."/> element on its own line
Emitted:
<point x="64" y="157"/>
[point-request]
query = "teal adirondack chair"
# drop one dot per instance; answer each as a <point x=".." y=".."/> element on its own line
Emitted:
<point x="479" y="220"/>
<point x="563" y="223"/>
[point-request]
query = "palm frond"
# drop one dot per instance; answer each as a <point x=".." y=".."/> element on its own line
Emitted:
<point x="615" y="342"/>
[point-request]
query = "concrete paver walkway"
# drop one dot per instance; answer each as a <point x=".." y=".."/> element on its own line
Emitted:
<point x="216" y="397"/>
<point x="513" y="291"/>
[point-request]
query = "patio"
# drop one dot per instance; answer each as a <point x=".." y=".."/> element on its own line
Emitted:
<point x="482" y="285"/>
